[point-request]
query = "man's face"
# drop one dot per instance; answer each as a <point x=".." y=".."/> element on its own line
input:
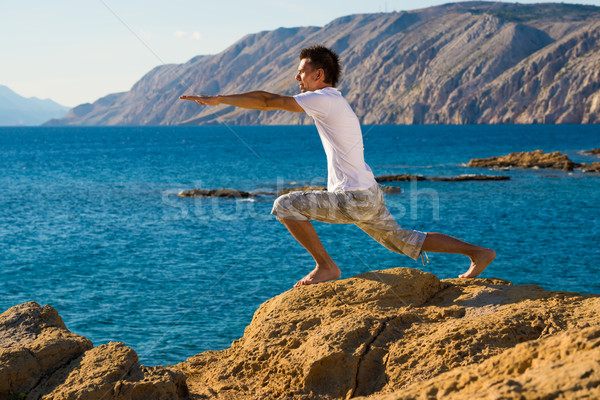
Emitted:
<point x="307" y="77"/>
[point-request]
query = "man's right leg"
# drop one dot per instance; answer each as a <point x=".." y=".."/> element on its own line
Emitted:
<point x="326" y="269"/>
<point x="295" y="210"/>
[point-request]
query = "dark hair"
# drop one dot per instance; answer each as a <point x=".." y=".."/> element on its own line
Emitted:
<point x="320" y="56"/>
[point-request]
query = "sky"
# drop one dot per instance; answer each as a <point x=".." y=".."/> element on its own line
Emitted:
<point x="76" y="51"/>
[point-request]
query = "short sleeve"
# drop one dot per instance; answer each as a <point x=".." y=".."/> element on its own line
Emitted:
<point x="315" y="104"/>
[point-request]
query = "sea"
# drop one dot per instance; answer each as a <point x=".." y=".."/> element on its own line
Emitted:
<point x="90" y="222"/>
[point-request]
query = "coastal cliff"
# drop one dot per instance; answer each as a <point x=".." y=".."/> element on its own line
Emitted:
<point x="392" y="334"/>
<point x="459" y="63"/>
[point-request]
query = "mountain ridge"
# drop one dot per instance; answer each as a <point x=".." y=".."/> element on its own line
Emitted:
<point x="19" y="110"/>
<point x="458" y="63"/>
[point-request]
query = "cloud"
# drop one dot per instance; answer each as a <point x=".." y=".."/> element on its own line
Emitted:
<point x="184" y="35"/>
<point x="146" y="35"/>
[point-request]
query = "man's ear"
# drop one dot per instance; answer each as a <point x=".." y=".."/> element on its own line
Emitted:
<point x="320" y="74"/>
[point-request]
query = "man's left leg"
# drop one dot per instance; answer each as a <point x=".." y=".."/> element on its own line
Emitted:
<point x="326" y="269"/>
<point x="384" y="229"/>
<point x="480" y="257"/>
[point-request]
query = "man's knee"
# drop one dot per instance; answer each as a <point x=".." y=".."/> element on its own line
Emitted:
<point x="283" y="208"/>
<point x="280" y="204"/>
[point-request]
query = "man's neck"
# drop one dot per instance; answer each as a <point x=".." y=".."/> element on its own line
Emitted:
<point x="323" y="86"/>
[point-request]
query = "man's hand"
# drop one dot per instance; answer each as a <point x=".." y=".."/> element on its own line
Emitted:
<point x="203" y="100"/>
<point x="256" y="100"/>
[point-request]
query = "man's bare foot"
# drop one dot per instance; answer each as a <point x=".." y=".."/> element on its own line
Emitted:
<point x="479" y="262"/>
<point x="320" y="274"/>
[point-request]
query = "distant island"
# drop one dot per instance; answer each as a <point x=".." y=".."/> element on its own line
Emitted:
<point x="16" y="110"/>
<point x="459" y="63"/>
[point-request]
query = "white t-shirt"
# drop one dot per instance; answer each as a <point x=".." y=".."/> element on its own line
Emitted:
<point x="341" y="136"/>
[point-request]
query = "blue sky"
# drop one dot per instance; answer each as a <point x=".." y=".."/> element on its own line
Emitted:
<point x="75" y="51"/>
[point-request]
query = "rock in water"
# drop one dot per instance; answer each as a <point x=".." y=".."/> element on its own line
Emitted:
<point x="223" y="192"/>
<point x="400" y="178"/>
<point x="41" y="359"/>
<point x="527" y="159"/>
<point x="391" y="189"/>
<point x="459" y="178"/>
<point x="592" y="152"/>
<point x="591" y="167"/>
<point x="469" y="177"/>
<point x="300" y="189"/>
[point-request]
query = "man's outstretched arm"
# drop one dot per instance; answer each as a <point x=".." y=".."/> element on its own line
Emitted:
<point x="254" y="100"/>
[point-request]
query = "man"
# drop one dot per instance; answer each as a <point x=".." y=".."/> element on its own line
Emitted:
<point x="353" y="195"/>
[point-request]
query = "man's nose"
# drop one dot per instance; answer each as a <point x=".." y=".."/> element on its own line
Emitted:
<point x="298" y="77"/>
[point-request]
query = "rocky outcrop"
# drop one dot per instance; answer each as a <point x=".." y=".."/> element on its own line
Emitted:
<point x="591" y="167"/>
<point x="391" y="189"/>
<point x="404" y="334"/>
<point x="527" y="159"/>
<point x="400" y="178"/>
<point x="470" y="177"/>
<point x="393" y="334"/>
<point x="564" y="365"/>
<point x="592" y="152"/>
<point x="460" y="178"/>
<point x="240" y="194"/>
<point x="223" y="192"/>
<point x="34" y="341"/>
<point x="300" y="188"/>
<point x="385" y="189"/>
<point x="41" y="359"/>
<point x="459" y="63"/>
<point x="534" y="159"/>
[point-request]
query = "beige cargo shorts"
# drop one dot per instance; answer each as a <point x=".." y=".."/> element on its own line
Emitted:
<point x="365" y="208"/>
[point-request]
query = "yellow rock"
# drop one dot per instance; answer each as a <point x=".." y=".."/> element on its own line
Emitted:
<point x="402" y="333"/>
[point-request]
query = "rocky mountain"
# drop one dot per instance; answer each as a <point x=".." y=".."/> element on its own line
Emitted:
<point x="18" y="110"/>
<point x="459" y="63"/>
<point x="383" y="335"/>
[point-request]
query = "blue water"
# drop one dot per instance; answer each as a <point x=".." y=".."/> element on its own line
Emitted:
<point x="89" y="224"/>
